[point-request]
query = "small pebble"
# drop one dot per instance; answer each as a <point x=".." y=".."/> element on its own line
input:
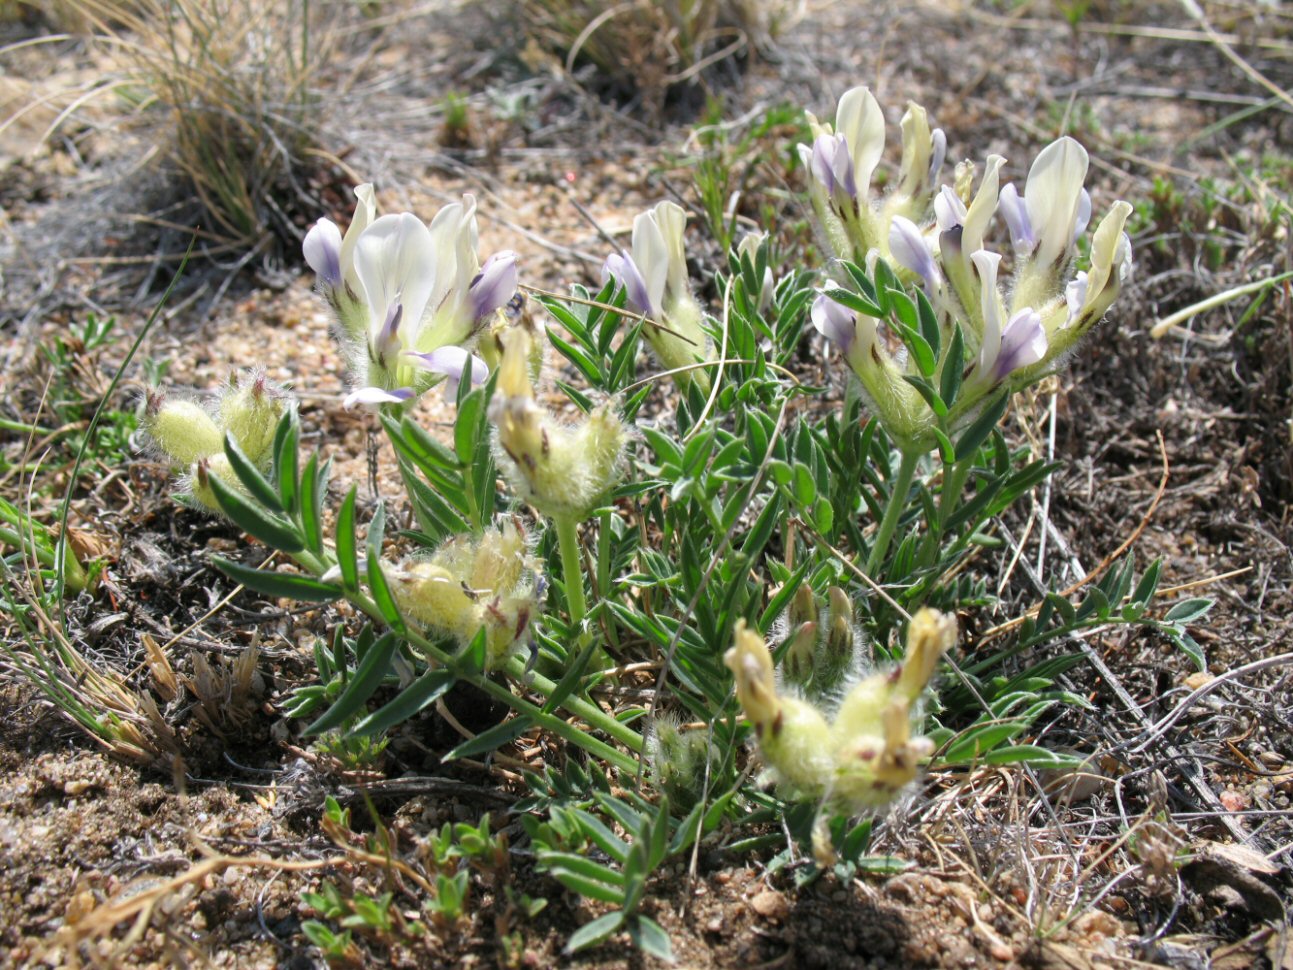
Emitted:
<point x="770" y="904"/>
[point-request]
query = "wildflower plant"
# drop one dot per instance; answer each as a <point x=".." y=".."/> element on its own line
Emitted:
<point x="729" y="564"/>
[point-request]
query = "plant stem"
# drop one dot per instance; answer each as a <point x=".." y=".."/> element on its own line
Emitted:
<point x="571" y="568"/>
<point x="954" y="477"/>
<point x="898" y="492"/>
<point x="604" y="539"/>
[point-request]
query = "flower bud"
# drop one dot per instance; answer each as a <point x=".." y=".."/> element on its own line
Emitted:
<point x="797" y="662"/>
<point x="793" y="735"/>
<point x="655" y="278"/>
<point x="471" y="583"/>
<point x="678" y="760"/>
<point x="561" y="471"/>
<point x="803" y="607"/>
<point x="250" y="411"/>
<point x="199" y="484"/>
<point x="182" y="430"/>
<point x="867" y="753"/>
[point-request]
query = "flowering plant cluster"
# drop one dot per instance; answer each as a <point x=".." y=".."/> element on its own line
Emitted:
<point x="993" y="339"/>
<point x="715" y="561"/>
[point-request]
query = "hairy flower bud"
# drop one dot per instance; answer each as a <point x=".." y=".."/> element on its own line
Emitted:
<point x="199" y="481"/>
<point x="182" y="430"/>
<point x="471" y="583"/>
<point x="797" y="662"/>
<point x="250" y="411"/>
<point x="561" y="471"/>
<point x="679" y="760"/>
<point x="793" y="735"/>
<point x="866" y="754"/>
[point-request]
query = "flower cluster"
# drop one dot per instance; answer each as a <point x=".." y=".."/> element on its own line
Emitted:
<point x="470" y="583"/>
<point x="408" y="296"/>
<point x="191" y="437"/>
<point x="654" y="277"/>
<point x="935" y="237"/>
<point x="563" y="472"/>
<point x="864" y="754"/>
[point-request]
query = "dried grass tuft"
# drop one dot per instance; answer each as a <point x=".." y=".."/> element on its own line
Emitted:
<point x="647" y="47"/>
<point x="233" y="82"/>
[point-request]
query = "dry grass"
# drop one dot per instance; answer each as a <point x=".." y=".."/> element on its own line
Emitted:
<point x="649" y="46"/>
<point x="232" y="82"/>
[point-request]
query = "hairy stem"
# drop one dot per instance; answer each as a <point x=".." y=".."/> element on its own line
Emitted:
<point x="898" y="492"/>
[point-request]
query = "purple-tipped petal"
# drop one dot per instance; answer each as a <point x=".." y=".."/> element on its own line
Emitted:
<point x="1013" y="210"/>
<point x="937" y="153"/>
<point x="1075" y="297"/>
<point x="621" y="268"/>
<point x="388" y="338"/>
<point x="372" y="396"/>
<point x="832" y="165"/>
<point x="1022" y="345"/>
<point x="494" y="285"/>
<point x="909" y="248"/>
<point x="835" y="322"/>
<point x="452" y="362"/>
<point x="322" y="248"/>
<point x="949" y="210"/>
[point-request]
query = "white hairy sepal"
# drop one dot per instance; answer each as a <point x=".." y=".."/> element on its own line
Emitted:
<point x="470" y="584"/>
<point x="183" y="431"/>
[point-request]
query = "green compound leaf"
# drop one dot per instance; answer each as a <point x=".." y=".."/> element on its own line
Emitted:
<point x="275" y="532"/>
<point x="278" y="585"/>
<point x="413" y="700"/>
<point x="368" y="676"/>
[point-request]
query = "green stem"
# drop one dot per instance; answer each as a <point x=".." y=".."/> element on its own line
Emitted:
<point x="898" y="492"/>
<point x="604" y="537"/>
<point x="571" y="568"/>
<point x="954" y="477"/>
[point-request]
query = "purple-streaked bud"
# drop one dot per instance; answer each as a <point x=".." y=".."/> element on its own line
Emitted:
<point x="452" y="362"/>
<point x="1083" y="215"/>
<point x="1015" y="213"/>
<point x="937" y="153"/>
<point x="1022" y="345"/>
<point x="832" y="165"/>
<point x="949" y="210"/>
<point x="322" y="250"/>
<point x="835" y="322"/>
<point x="389" y="336"/>
<point x="909" y="248"/>
<point x="621" y="268"/>
<point x="372" y="396"/>
<point x="494" y="285"/>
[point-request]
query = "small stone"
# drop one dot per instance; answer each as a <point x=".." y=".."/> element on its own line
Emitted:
<point x="1198" y="679"/>
<point x="1271" y="759"/>
<point x="1233" y="801"/>
<point x="770" y="904"/>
